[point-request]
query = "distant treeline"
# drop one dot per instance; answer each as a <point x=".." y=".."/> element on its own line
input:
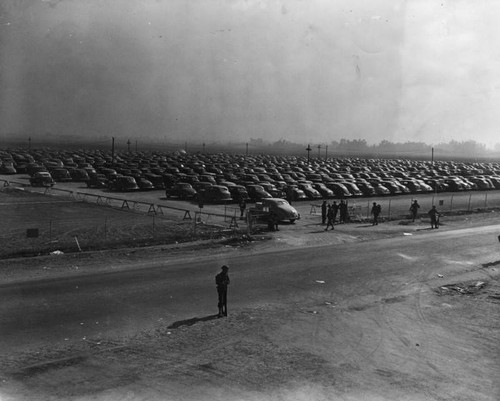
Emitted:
<point x="343" y="148"/>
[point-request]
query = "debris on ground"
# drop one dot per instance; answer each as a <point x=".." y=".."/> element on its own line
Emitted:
<point x="57" y="253"/>
<point x="463" y="288"/>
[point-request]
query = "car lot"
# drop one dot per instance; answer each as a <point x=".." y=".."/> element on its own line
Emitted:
<point x="290" y="177"/>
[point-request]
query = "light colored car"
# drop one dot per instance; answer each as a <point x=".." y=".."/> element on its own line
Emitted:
<point x="279" y="208"/>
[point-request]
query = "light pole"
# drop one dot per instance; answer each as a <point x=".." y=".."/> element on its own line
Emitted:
<point x="308" y="152"/>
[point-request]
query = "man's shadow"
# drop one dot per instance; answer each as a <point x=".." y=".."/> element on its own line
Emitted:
<point x="190" y="322"/>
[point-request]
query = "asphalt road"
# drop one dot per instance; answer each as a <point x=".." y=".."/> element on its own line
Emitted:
<point x="106" y="304"/>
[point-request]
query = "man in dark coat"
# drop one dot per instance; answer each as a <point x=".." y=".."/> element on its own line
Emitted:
<point x="414" y="209"/>
<point x="376" y="209"/>
<point x="222" y="281"/>
<point x="323" y="212"/>
<point x="434" y="217"/>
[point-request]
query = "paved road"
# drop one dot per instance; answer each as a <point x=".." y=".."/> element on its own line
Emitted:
<point x="69" y="308"/>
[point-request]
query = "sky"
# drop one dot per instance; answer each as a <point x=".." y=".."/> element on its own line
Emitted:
<point x="306" y="71"/>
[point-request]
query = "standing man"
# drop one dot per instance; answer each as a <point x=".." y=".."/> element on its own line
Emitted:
<point x="434" y="217"/>
<point x="414" y="209"/>
<point x="342" y="211"/>
<point x="323" y="212"/>
<point x="222" y="281"/>
<point x="329" y="215"/>
<point x="243" y="207"/>
<point x="335" y="209"/>
<point x="376" y="209"/>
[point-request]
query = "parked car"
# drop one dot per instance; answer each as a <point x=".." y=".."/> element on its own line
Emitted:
<point x="7" y="168"/>
<point x="123" y="183"/>
<point x="156" y="180"/>
<point x="277" y="207"/>
<point x="42" y="179"/>
<point x="97" y="181"/>
<point x="339" y="189"/>
<point x="296" y="193"/>
<point x="144" y="184"/>
<point x="310" y="192"/>
<point x="352" y="188"/>
<point x="271" y="188"/>
<point x="215" y="194"/>
<point x="79" y="175"/>
<point x="238" y="193"/>
<point x="181" y="190"/>
<point x="324" y="191"/>
<point x="257" y="192"/>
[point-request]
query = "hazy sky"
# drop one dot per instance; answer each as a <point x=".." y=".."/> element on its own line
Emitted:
<point x="302" y="70"/>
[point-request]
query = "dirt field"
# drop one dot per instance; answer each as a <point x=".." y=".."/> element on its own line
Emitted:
<point x="316" y="346"/>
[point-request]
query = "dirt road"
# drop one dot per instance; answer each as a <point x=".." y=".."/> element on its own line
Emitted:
<point x="370" y="315"/>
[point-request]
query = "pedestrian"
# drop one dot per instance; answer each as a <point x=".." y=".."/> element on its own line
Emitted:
<point x="329" y="215"/>
<point x="222" y="281"/>
<point x="243" y="207"/>
<point x="335" y="209"/>
<point x="434" y="217"/>
<point x="323" y="212"/>
<point x="342" y="211"/>
<point x="272" y="222"/>
<point x="376" y="209"/>
<point x="414" y="209"/>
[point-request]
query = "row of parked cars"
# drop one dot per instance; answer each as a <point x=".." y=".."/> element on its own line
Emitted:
<point x="225" y="177"/>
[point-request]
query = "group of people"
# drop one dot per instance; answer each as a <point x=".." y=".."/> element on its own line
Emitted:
<point x="433" y="214"/>
<point x="329" y="213"/>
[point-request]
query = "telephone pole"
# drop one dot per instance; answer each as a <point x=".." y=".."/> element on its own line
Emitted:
<point x="112" y="151"/>
<point x="308" y="152"/>
<point x="128" y="145"/>
<point x="319" y="154"/>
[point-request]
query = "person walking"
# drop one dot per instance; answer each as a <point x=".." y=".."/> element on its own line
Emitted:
<point x="376" y="209"/>
<point x="243" y="207"/>
<point x="222" y="281"/>
<point x="343" y="211"/>
<point x="414" y="209"/>
<point x="434" y="217"/>
<point x="329" y="215"/>
<point x="323" y="212"/>
<point x="335" y="209"/>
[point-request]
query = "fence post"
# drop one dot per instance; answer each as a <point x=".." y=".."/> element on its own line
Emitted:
<point x="485" y="199"/>
<point x="389" y="212"/>
<point x="368" y="210"/>
<point x="451" y="203"/>
<point x="468" y="207"/>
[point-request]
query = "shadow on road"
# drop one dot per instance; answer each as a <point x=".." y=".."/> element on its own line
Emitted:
<point x="491" y="263"/>
<point x="190" y="322"/>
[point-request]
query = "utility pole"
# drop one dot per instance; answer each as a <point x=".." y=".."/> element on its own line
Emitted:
<point x="203" y="147"/>
<point x="247" y="149"/>
<point x="319" y="154"/>
<point x="112" y="151"/>
<point x="29" y="143"/>
<point x="308" y="151"/>
<point x="432" y="156"/>
<point x="128" y="145"/>
<point x="326" y="152"/>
